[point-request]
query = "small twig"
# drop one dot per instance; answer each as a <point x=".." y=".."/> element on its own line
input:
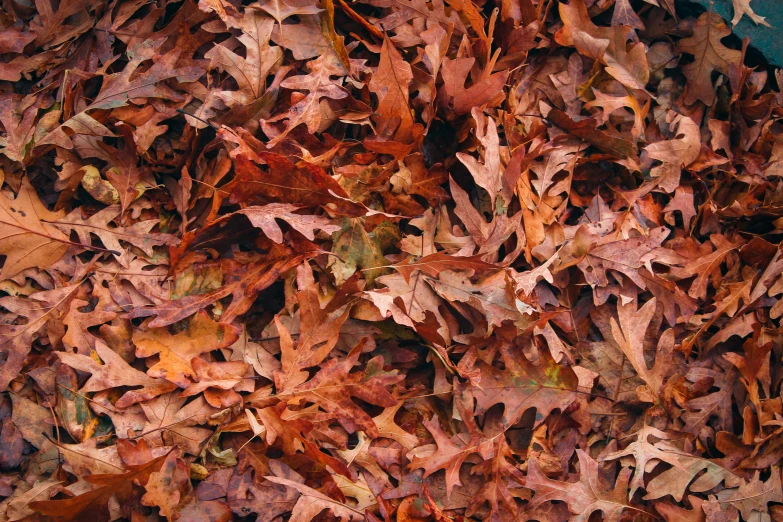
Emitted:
<point x="202" y="120"/>
<point x="534" y="116"/>
<point x="356" y="17"/>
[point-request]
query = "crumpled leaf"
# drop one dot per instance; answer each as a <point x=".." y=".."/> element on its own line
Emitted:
<point x="167" y="487"/>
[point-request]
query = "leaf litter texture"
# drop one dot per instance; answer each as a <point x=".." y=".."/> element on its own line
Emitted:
<point x="388" y="260"/>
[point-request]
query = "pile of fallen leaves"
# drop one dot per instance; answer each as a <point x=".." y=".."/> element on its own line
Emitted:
<point x="383" y="260"/>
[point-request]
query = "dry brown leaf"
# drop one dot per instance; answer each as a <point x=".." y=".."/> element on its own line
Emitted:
<point x="709" y="55"/>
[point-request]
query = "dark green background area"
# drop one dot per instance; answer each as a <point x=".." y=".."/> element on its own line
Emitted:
<point x="768" y="40"/>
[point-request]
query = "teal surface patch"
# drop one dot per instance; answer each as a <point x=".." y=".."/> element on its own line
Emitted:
<point x="765" y="39"/>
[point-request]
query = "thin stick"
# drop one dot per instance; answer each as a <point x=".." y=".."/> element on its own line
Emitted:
<point x="202" y="120"/>
<point x="356" y="17"/>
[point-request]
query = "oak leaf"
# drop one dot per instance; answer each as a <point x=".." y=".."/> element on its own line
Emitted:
<point x="27" y="236"/>
<point x="33" y="421"/>
<point x="94" y="504"/>
<point x="586" y="130"/>
<point x="319" y="329"/>
<point x="742" y="7"/>
<point x="16" y="340"/>
<point x="541" y="188"/>
<point x="488" y="236"/>
<point x="701" y="410"/>
<point x="177" y="350"/>
<point x="243" y="282"/>
<point x="408" y="303"/>
<point x="306" y="40"/>
<point x="390" y="83"/>
<point x="216" y="380"/>
<point x="356" y="248"/>
<point x="630" y="334"/>
<point x="675" y="153"/>
<point x="119" y="88"/>
<point x="209" y="510"/>
<point x="417" y="9"/>
<point x="266" y="499"/>
<point x="284" y="425"/>
<point x="434" y="264"/>
<point x="458" y="99"/>
<point x="308" y="109"/>
<point x="333" y="388"/>
<point x="491" y="295"/>
<point x="250" y="71"/>
<point x="18" y="507"/>
<point x="50" y="27"/>
<point x="752" y="497"/>
<point x="304" y="185"/>
<point x="626" y="257"/>
<point x="15" y="38"/>
<point x="488" y="175"/>
<point x="451" y="452"/>
<point x="587" y="495"/>
<point x="609" y="104"/>
<point x="705" y="267"/>
<point x="606" y="44"/>
<point x="264" y="218"/>
<point x="171" y="422"/>
<point x="169" y="486"/>
<point x="138" y="234"/>
<point x="11" y="445"/>
<point x="113" y="373"/>
<point x="624" y="14"/>
<point x="387" y="428"/>
<point x="280" y="10"/>
<point x="497" y="492"/>
<point x="676" y="480"/>
<point x="87" y="458"/>
<point x="312" y="502"/>
<point x="18" y="115"/>
<point x="709" y="55"/>
<point x="649" y="454"/>
<point x="414" y="178"/>
<point x="522" y="385"/>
